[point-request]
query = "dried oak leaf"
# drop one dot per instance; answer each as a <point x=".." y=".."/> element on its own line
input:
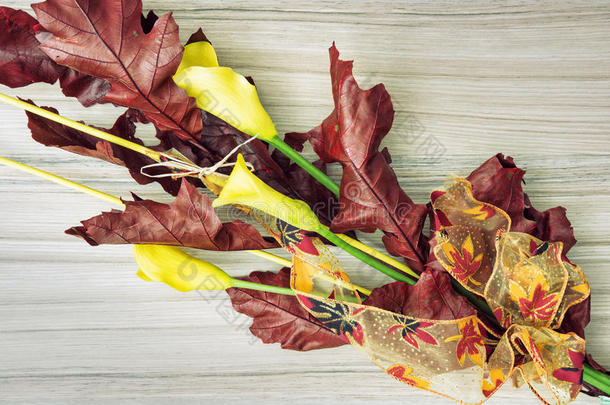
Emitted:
<point x="107" y="39"/>
<point x="371" y="197"/>
<point x="499" y="181"/>
<point x="22" y="62"/>
<point x="432" y="297"/>
<point x="280" y="318"/>
<point x="50" y="133"/>
<point x="189" y="221"/>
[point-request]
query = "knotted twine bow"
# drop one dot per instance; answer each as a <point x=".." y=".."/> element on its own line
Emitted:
<point x="183" y="167"/>
<point x="524" y="280"/>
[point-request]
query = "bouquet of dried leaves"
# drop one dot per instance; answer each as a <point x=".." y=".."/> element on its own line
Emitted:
<point x="486" y="295"/>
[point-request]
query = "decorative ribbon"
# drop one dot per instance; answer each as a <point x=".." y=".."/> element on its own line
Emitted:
<point x="523" y="279"/>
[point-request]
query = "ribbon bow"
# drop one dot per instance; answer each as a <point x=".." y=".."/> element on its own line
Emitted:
<point x="527" y="284"/>
<point x="454" y="353"/>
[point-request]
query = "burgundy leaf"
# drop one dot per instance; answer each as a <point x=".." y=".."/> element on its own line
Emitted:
<point x="432" y="297"/>
<point x="51" y="133"/>
<point x="89" y="90"/>
<point x="22" y="62"/>
<point x="107" y="39"/>
<point x="371" y="197"/>
<point x="499" y="181"/>
<point x="280" y="318"/>
<point x="189" y="221"/>
<point x="197" y="36"/>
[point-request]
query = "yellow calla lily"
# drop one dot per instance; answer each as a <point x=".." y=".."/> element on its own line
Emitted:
<point x="170" y="265"/>
<point x="200" y="53"/>
<point x="222" y="91"/>
<point x="244" y="188"/>
<point x="179" y="270"/>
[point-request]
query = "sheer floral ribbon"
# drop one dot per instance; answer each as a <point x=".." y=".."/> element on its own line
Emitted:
<point x="524" y="280"/>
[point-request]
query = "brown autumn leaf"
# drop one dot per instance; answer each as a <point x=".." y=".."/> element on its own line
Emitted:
<point x="50" y="133"/>
<point x="108" y="39"/>
<point x="371" y="197"/>
<point x="278" y="318"/>
<point x="189" y="221"/>
<point x="22" y="62"/>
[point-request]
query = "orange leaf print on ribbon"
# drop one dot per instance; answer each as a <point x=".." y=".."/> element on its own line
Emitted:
<point x="463" y="264"/>
<point x="535" y="303"/>
<point x="481" y="212"/>
<point x="403" y="374"/>
<point x="493" y="382"/>
<point x="470" y="341"/>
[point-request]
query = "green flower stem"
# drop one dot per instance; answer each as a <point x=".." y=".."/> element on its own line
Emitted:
<point x="596" y="378"/>
<point x="261" y="287"/>
<point x="323" y="231"/>
<point x="296" y="157"/>
<point x="237" y="283"/>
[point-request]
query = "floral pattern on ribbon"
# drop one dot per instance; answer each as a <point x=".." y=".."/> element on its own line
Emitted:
<point x="470" y="342"/>
<point x="402" y="374"/>
<point x="573" y="374"/>
<point x="463" y="262"/>
<point x="337" y="317"/>
<point x="291" y="237"/>
<point x="412" y="330"/>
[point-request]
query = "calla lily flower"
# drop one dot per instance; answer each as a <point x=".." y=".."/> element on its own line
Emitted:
<point x="222" y="91"/>
<point x="244" y="188"/>
<point x="200" y="53"/>
<point x="179" y="270"/>
<point x="183" y="272"/>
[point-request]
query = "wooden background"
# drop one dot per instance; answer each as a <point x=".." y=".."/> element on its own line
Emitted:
<point x="467" y="80"/>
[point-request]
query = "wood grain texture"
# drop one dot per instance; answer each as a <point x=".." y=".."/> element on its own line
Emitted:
<point x="468" y="80"/>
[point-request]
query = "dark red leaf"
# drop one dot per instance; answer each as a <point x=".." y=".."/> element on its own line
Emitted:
<point x="432" y="297"/>
<point x="50" y="133"/>
<point x="371" y="197"/>
<point x="197" y="36"/>
<point x="107" y="39"/>
<point x="188" y="221"/>
<point x="499" y="181"/>
<point x="148" y="21"/>
<point x="89" y="90"/>
<point x="280" y="318"/>
<point x="22" y="62"/>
